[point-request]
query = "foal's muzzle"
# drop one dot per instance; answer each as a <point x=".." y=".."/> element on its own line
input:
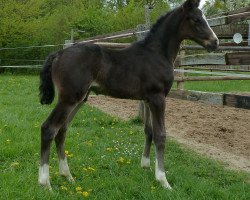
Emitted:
<point x="212" y="45"/>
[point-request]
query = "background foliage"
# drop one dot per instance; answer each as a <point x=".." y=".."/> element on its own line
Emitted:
<point x="32" y="22"/>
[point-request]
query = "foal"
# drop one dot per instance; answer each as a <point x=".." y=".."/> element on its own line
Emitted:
<point x="143" y="71"/>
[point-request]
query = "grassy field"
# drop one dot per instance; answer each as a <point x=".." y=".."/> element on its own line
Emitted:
<point x="103" y="154"/>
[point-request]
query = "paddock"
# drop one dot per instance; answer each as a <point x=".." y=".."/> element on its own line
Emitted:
<point x="105" y="159"/>
<point x="218" y="132"/>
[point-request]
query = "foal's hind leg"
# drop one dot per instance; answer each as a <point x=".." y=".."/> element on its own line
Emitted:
<point x="145" y="160"/>
<point x="49" y="130"/>
<point x="59" y="139"/>
<point x="157" y="109"/>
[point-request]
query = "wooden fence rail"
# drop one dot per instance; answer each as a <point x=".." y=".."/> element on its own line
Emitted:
<point x="227" y="69"/>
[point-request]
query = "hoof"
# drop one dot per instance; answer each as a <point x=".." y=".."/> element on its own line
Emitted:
<point x="47" y="187"/>
<point x="161" y="177"/>
<point x="43" y="178"/>
<point x="145" y="162"/>
<point x="70" y="178"/>
<point x="64" y="170"/>
<point x="165" y="184"/>
<point x="45" y="184"/>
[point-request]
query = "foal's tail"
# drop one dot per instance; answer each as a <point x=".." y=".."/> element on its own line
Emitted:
<point x="46" y="88"/>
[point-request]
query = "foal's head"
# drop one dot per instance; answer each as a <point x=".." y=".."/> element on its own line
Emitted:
<point x="195" y="26"/>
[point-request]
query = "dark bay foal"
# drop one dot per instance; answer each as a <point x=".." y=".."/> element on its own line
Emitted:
<point x="144" y="71"/>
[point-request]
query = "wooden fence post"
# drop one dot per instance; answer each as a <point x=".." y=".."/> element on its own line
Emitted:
<point x="140" y="36"/>
<point x="180" y="84"/>
<point x="1" y="69"/>
<point x="248" y="32"/>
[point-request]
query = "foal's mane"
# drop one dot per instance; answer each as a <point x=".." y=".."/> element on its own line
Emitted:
<point x="157" y="25"/>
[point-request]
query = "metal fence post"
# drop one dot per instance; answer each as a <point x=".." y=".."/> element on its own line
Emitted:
<point x="147" y="16"/>
<point x="72" y="35"/>
<point x="67" y="43"/>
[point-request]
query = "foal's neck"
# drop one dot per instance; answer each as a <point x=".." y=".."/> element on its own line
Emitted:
<point x="164" y="35"/>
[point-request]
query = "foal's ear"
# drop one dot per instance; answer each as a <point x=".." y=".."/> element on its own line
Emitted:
<point x="190" y="4"/>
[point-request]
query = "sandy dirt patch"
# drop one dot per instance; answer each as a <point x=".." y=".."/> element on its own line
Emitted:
<point x="222" y="133"/>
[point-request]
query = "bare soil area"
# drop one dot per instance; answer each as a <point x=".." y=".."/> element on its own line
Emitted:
<point x="222" y="133"/>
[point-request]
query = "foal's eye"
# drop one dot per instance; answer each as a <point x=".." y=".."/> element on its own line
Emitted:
<point x="196" y="20"/>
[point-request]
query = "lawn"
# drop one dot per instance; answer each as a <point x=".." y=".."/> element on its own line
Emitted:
<point x="103" y="153"/>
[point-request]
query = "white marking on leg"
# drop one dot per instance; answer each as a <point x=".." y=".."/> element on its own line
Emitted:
<point x="64" y="169"/>
<point x="145" y="162"/>
<point x="43" y="178"/>
<point x="161" y="176"/>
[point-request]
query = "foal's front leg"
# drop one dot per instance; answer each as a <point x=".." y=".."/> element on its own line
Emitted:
<point x="63" y="163"/>
<point x="145" y="160"/>
<point x="157" y="109"/>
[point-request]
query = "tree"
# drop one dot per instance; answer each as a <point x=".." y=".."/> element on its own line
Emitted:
<point x="219" y="6"/>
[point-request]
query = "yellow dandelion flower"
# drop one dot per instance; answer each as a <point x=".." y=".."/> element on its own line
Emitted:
<point x="78" y="189"/>
<point x="121" y="160"/>
<point x="85" y="169"/>
<point x="64" y="188"/>
<point x="14" y="164"/>
<point x="89" y="143"/>
<point x="69" y="155"/>
<point x="85" y="194"/>
<point x="8" y="140"/>
<point x="66" y="152"/>
<point x="109" y="149"/>
<point x="91" y="169"/>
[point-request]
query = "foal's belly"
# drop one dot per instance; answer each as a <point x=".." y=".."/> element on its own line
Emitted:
<point x="118" y="90"/>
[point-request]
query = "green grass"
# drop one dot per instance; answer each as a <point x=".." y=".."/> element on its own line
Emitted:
<point x="96" y="140"/>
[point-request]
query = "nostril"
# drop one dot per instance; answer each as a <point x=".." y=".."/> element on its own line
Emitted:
<point x="216" y="42"/>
